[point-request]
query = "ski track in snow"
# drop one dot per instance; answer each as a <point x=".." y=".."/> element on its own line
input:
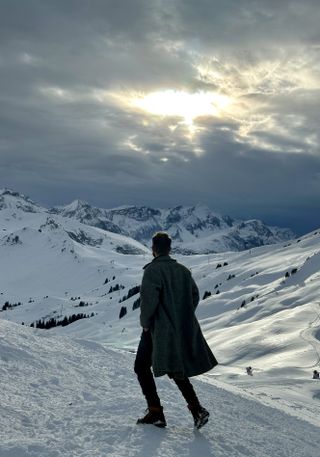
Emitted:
<point x="307" y="335"/>
<point x="65" y="397"/>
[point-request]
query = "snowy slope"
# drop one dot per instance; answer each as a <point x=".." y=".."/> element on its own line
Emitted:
<point x="65" y="398"/>
<point x="47" y="262"/>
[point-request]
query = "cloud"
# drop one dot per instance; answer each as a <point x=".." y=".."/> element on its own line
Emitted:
<point x="68" y="70"/>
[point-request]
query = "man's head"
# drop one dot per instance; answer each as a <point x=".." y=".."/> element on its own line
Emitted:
<point x="161" y="244"/>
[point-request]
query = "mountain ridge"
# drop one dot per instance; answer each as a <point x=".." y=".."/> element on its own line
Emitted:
<point x="193" y="229"/>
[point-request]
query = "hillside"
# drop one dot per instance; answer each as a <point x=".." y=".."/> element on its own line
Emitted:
<point x="64" y="398"/>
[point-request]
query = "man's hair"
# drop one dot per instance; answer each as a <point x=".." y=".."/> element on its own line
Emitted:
<point x="161" y="243"/>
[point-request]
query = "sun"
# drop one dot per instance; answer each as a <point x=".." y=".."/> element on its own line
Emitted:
<point x="182" y="104"/>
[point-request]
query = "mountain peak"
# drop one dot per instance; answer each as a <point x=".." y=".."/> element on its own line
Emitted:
<point x="10" y="199"/>
<point x="77" y="204"/>
<point x="75" y="208"/>
<point x="12" y="193"/>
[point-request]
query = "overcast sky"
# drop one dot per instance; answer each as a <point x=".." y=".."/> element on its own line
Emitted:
<point x="164" y="102"/>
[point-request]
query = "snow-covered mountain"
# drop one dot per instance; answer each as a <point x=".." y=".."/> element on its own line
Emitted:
<point x="194" y="230"/>
<point x="87" y="214"/>
<point x="12" y="201"/>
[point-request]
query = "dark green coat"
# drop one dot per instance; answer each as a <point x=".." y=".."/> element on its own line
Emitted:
<point x="169" y="297"/>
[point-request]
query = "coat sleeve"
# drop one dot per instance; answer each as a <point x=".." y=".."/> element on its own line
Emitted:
<point x="195" y="293"/>
<point x="149" y="296"/>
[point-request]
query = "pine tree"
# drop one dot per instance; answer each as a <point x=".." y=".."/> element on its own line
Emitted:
<point x="123" y="312"/>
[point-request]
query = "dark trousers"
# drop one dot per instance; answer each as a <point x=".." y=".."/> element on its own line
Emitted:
<point x="142" y="368"/>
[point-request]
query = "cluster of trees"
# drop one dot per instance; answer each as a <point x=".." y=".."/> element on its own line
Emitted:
<point x="52" y="322"/>
<point x="123" y="312"/>
<point x="136" y="304"/>
<point x="293" y="271"/>
<point x="206" y="294"/>
<point x="107" y="280"/>
<point x="115" y="288"/>
<point x="220" y="265"/>
<point x="131" y="292"/>
<point x="82" y="303"/>
<point x="251" y="300"/>
<point x="9" y="305"/>
<point x="14" y="239"/>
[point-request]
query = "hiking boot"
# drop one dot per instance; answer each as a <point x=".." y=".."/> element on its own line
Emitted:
<point x="200" y="415"/>
<point x="154" y="416"/>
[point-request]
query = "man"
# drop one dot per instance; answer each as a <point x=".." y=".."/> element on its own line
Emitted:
<point x="171" y="341"/>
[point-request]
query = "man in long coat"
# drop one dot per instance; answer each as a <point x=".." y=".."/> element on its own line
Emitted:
<point x="171" y="342"/>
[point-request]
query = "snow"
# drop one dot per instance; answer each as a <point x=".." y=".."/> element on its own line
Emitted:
<point x="89" y="363"/>
<point x="70" y="397"/>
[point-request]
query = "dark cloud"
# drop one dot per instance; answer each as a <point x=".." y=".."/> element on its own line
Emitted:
<point x="67" y="129"/>
<point x="252" y="24"/>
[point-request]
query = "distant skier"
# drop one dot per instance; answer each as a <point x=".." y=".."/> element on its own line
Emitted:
<point x="171" y="341"/>
<point x="249" y="371"/>
<point x="315" y="374"/>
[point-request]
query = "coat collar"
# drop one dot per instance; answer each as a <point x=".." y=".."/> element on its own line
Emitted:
<point x="160" y="258"/>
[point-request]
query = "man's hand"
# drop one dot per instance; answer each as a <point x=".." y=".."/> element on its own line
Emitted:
<point x="145" y="329"/>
